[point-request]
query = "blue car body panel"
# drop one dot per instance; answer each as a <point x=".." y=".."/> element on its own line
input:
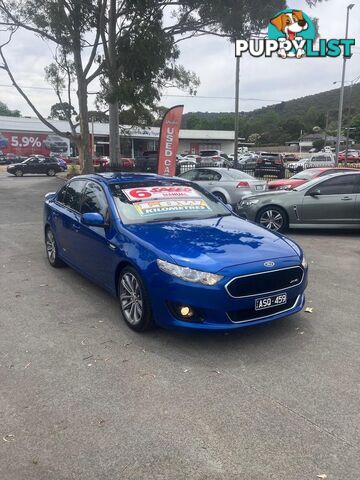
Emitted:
<point x="228" y="246"/>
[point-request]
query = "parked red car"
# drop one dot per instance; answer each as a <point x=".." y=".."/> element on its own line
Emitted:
<point x="125" y="163"/>
<point x="353" y="156"/>
<point x="304" y="176"/>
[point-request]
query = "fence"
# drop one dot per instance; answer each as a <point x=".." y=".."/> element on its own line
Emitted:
<point x="264" y="172"/>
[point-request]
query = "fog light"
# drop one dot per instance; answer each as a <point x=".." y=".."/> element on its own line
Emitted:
<point x="186" y="311"/>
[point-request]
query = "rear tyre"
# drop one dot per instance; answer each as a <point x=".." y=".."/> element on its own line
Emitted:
<point x="273" y="218"/>
<point x="134" y="302"/>
<point x="52" y="250"/>
<point x="219" y="196"/>
<point x="19" y="173"/>
<point x="51" y="172"/>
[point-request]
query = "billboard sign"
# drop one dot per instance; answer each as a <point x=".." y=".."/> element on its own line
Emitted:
<point x="31" y="143"/>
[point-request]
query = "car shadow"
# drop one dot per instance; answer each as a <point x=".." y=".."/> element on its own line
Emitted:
<point x="258" y="343"/>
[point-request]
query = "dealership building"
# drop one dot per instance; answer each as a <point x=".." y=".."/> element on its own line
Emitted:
<point x="24" y="135"/>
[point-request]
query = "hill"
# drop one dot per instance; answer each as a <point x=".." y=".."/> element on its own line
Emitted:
<point x="284" y="121"/>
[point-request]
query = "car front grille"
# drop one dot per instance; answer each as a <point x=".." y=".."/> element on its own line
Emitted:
<point x="265" y="282"/>
<point x="247" y="315"/>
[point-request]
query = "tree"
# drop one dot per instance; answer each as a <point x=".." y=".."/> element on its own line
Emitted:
<point x="355" y="123"/>
<point x="318" y="144"/>
<point x="6" y="112"/>
<point x="69" y="27"/>
<point x="62" y="111"/>
<point x="255" y="138"/>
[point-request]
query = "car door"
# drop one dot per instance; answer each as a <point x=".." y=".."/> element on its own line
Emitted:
<point x="357" y="200"/>
<point x="97" y="256"/>
<point x="34" y="165"/>
<point x="331" y="201"/>
<point x="66" y="220"/>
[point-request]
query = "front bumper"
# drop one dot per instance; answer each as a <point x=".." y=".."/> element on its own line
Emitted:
<point x="215" y="309"/>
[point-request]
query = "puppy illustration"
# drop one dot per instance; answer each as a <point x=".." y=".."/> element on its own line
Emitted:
<point x="290" y="24"/>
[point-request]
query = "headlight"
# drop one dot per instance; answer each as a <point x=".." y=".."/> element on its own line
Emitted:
<point x="188" y="274"/>
<point x="248" y="203"/>
<point x="304" y="263"/>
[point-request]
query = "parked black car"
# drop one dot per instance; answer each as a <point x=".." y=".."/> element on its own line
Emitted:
<point x="4" y="160"/>
<point x="272" y="165"/>
<point x="35" y="165"/>
<point x="147" y="162"/>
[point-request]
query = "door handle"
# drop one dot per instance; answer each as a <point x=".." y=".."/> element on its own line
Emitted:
<point x="56" y="214"/>
<point x="111" y="246"/>
<point x="346" y="198"/>
<point x="75" y="227"/>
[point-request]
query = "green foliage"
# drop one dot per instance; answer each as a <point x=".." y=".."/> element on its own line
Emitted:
<point x="318" y="144"/>
<point x="355" y="123"/>
<point x="62" y="111"/>
<point x="284" y="121"/>
<point x="6" y="112"/>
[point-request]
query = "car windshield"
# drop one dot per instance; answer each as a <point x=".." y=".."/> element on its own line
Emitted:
<point x="309" y="184"/>
<point x="305" y="175"/>
<point x="160" y="201"/>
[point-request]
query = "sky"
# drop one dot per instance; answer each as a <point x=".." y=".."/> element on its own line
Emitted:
<point x="263" y="81"/>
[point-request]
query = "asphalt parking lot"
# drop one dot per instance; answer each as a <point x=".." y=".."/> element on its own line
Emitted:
<point x="83" y="397"/>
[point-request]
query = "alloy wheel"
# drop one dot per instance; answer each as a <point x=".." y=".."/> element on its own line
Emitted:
<point x="18" y="173"/>
<point x="51" y="172"/>
<point x="131" y="300"/>
<point x="50" y="246"/>
<point x="272" y="219"/>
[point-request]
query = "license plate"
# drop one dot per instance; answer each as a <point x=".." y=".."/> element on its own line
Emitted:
<point x="269" y="302"/>
<point x="258" y="187"/>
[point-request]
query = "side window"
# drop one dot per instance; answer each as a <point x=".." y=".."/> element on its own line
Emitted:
<point x="208" y="176"/>
<point x="61" y="195"/>
<point x="336" y="186"/>
<point x="357" y="184"/>
<point x="190" y="174"/>
<point x="94" y="200"/>
<point x="73" y="194"/>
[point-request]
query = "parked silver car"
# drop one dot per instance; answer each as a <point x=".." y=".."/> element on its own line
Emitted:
<point x="332" y="200"/>
<point x="227" y="184"/>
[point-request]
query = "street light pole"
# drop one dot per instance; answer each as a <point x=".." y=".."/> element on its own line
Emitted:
<point x="341" y="100"/>
<point x="236" y="133"/>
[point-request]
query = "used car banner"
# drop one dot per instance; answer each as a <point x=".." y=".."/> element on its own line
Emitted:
<point x="169" y="141"/>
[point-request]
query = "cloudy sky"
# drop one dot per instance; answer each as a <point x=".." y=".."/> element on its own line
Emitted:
<point x="263" y="81"/>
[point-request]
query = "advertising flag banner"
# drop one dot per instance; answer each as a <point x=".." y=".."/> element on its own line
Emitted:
<point x="169" y="141"/>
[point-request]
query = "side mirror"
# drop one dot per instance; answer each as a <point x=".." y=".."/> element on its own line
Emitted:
<point x="93" y="219"/>
<point x="315" y="193"/>
<point x="229" y="207"/>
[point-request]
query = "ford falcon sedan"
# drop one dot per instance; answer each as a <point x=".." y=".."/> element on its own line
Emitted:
<point x="173" y="254"/>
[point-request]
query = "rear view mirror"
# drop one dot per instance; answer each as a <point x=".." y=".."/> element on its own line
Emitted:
<point x="93" y="219"/>
<point x="315" y="193"/>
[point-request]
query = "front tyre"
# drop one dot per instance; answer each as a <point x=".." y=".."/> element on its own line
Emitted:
<point x="52" y="250"/>
<point x="19" y="173"/>
<point x="51" y="172"/>
<point x="273" y="218"/>
<point x="134" y="302"/>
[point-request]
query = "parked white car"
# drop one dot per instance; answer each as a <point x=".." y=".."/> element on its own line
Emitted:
<point x="321" y="159"/>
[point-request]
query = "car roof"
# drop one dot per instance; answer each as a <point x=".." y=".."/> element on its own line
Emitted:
<point x="123" y="177"/>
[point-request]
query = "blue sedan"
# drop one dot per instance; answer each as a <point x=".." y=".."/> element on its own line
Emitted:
<point x="172" y="253"/>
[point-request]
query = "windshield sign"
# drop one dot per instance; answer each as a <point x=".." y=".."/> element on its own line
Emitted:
<point x="143" y="204"/>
